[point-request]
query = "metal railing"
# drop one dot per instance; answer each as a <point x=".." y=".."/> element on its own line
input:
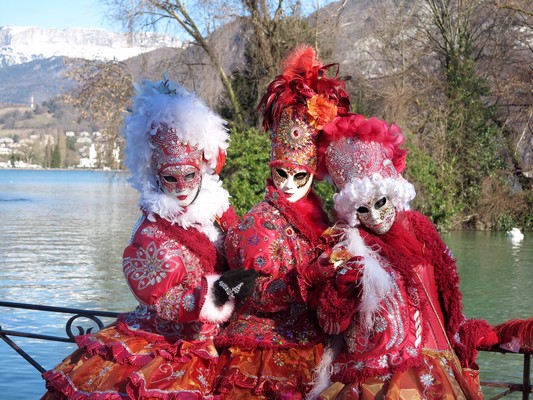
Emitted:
<point x="76" y="318"/>
<point x="524" y="387"/>
<point x="512" y="387"/>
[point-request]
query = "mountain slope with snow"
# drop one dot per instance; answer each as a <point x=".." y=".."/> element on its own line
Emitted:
<point x="20" y="44"/>
<point x="31" y="58"/>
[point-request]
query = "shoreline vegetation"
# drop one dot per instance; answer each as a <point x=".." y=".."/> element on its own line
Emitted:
<point x="324" y="189"/>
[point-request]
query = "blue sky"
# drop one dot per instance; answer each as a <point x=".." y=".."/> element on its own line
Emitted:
<point x="59" y="14"/>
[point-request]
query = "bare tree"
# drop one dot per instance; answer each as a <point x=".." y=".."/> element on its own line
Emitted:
<point x="196" y="23"/>
<point x="104" y="92"/>
<point x="267" y="27"/>
<point x="520" y="6"/>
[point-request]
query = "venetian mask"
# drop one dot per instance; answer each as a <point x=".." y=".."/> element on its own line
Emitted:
<point x="378" y="215"/>
<point x="181" y="182"/>
<point x="294" y="182"/>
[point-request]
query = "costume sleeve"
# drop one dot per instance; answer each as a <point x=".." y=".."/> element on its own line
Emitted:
<point x="446" y="274"/>
<point x="228" y="219"/>
<point x="335" y="311"/>
<point x="465" y="334"/>
<point x="155" y="270"/>
<point x="263" y="245"/>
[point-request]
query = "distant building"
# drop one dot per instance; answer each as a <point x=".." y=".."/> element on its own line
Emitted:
<point x="92" y="160"/>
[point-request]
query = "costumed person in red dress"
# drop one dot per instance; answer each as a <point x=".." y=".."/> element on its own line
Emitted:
<point x="393" y="296"/>
<point x="164" y="349"/>
<point x="273" y="340"/>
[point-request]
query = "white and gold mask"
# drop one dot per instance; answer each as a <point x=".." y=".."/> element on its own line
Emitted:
<point x="294" y="182"/>
<point x="378" y="215"/>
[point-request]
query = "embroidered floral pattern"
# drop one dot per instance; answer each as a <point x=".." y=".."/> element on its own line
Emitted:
<point x="274" y="315"/>
<point x="150" y="266"/>
<point x="427" y="379"/>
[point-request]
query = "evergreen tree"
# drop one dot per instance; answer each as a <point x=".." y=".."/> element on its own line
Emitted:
<point x="56" y="157"/>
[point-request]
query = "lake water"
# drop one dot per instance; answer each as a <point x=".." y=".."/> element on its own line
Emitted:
<point x="62" y="234"/>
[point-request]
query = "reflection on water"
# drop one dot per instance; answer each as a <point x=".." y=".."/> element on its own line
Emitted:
<point x="61" y="241"/>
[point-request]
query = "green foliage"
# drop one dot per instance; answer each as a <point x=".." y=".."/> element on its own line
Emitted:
<point x="325" y="191"/>
<point x="56" y="157"/>
<point x="71" y="143"/>
<point x="471" y="132"/>
<point x="246" y="170"/>
<point x="504" y="222"/>
<point x="437" y="197"/>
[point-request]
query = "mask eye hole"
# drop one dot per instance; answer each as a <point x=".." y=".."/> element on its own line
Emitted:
<point x="362" y="210"/>
<point x="169" y="179"/>
<point x="190" y="177"/>
<point x="300" y="176"/>
<point x="380" y="203"/>
<point x="282" y="173"/>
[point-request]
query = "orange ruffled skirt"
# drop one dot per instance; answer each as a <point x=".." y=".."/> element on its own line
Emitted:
<point x="267" y="374"/>
<point x="114" y="366"/>
<point x="438" y="377"/>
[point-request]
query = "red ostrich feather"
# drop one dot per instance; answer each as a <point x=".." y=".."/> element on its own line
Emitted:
<point x="520" y="330"/>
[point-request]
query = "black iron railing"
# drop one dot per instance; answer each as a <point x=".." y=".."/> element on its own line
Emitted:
<point x="512" y="387"/>
<point x="92" y="317"/>
<point x="85" y="321"/>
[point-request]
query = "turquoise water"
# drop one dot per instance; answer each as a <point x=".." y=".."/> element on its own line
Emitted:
<point x="61" y="241"/>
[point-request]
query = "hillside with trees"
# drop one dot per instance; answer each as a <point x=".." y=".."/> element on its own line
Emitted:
<point x="455" y="76"/>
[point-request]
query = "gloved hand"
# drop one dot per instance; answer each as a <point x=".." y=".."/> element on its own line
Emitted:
<point x="318" y="272"/>
<point x="237" y="283"/>
<point x="349" y="277"/>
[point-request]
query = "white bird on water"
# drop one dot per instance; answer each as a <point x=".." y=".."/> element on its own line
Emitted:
<point x="515" y="234"/>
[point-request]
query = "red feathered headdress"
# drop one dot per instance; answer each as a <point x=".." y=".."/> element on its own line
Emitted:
<point x="364" y="159"/>
<point x="304" y="78"/>
<point x="373" y="129"/>
<point x="297" y="105"/>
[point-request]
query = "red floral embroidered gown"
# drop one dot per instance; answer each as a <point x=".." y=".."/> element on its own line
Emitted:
<point x="164" y="349"/>
<point x="421" y="345"/>
<point x="273" y="341"/>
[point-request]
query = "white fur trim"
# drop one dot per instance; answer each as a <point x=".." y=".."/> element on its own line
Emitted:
<point x="322" y="373"/>
<point x="376" y="282"/>
<point x="361" y="191"/>
<point x="209" y="311"/>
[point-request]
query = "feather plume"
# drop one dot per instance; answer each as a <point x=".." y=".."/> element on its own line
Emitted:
<point x="322" y="373"/>
<point x="376" y="283"/>
<point x="520" y="330"/>
<point x="303" y="77"/>
<point x="300" y="62"/>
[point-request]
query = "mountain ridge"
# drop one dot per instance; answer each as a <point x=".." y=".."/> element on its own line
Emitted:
<point x="20" y="44"/>
<point x="32" y="58"/>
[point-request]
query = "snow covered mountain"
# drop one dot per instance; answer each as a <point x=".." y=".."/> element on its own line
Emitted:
<point x="31" y="58"/>
<point x="20" y="44"/>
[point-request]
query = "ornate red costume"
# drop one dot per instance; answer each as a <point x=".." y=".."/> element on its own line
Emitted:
<point x="274" y="330"/>
<point x="165" y="348"/>
<point x="394" y="295"/>
<point x="420" y="336"/>
<point x="273" y="341"/>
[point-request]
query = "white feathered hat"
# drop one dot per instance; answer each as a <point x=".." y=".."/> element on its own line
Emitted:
<point x="165" y="118"/>
<point x="170" y="126"/>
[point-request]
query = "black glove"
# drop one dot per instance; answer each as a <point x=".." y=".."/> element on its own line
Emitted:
<point x="237" y="283"/>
